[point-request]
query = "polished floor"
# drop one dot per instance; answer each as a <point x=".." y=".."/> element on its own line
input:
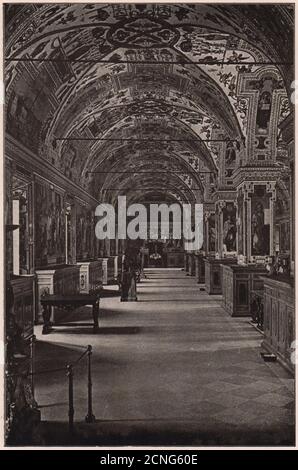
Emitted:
<point x="171" y="369"/>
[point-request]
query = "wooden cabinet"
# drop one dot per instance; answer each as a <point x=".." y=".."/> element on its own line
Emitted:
<point x="23" y="288"/>
<point x="213" y="274"/>
<point x="191" y="267"/>
<point x="90" y="276"/>
<point x="279" y="320"/>
<point x="104" y="265"/>
<point x="120" y="264"/>
<point x="144" y="257"/>
<point x="237" y="284"/>
<point x="175" y="259"/>
<point x="115" y="260"/>
<point x="200" y="268"/>
<point x="63" y="279"/>
<point x="186" y="260"/>
<point x="108" y="269"/>
<point x="111" y="268"/>
<point x="21" y="410"/>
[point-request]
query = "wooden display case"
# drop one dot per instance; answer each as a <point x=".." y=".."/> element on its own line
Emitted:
<point x="213" y="274"/>
<point x="279" y="320"/>
<point x="90" y="276"/>
<point x="191" y="266"/>
<point x="63" y="279"/>
<point x="23" y="288"/>
<point x="237" y="283"/>
<point x="175" y="259"/>
<point x="200" y="268"/>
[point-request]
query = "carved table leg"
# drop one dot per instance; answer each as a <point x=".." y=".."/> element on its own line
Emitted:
<point x="95" y="313"/>
<point x="46" y="319"/>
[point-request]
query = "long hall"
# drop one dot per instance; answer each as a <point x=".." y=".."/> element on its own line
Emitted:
<point x="149" y="224"/>
<point x="171" y="368"/>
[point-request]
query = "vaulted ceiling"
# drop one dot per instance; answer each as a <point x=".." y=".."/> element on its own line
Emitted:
<point x="131" y="99"/>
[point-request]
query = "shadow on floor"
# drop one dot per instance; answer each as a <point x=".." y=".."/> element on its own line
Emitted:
<point x="169" y="301"/>
<point x="160" y="433"/>
<point x="119" y="330"/>
<point x="71" y="328"/>
<point x="58" y="354"/>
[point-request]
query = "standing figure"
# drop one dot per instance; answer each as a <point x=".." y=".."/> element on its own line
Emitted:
<point x="257" y="223"/>
<point x="129" y="277"/>
<point x="264" y="112"/>
<point x="230" y="153"/>
<point x="212" y="238"/>
<point x="229" y="234"/>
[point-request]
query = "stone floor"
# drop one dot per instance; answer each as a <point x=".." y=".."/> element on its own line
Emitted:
<point x="171" y="369"/>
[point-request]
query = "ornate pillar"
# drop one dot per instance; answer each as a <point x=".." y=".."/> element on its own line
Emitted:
<point x="265" y="93"/>
<point x="261" y="170"/>
<point x="8" y="217"/>
<point x="255" y="213"/>
<point x="287" y="131"/>
<point x="107" y="247"/>
<point x="210" y="234"/>
<point x="116" y="244"/>
<point x="241" y="221"/>
<point x="70" y="230"/>
<point x="226" y="223"/>
<point x="22" y="200"/>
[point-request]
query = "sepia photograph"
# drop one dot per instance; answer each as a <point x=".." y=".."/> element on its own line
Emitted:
<point x="149" y="225"/>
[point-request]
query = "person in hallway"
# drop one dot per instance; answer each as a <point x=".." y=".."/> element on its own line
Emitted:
<point x="129" y="276"/>
<point x="142" y="255"/>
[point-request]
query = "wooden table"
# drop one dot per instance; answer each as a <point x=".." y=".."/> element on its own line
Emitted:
<point x="71" y="302"/>
<point x="68" y="302"/>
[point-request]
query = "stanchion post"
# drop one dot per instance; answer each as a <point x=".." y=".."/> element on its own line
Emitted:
<point x="32" y="361"/>
<point x="90" y="418"/>
<point x="70" y="398"/>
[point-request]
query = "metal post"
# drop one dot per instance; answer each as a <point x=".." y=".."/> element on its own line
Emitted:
<point x="70" y="398"/>
<point x="90" y="418"/>
<point x="32" y="361"/>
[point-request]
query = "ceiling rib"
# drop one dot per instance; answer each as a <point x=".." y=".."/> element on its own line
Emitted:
<point x="145" y="62"/>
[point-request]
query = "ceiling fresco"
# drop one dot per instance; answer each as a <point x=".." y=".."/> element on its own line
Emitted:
<point x="101" y="75"/>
